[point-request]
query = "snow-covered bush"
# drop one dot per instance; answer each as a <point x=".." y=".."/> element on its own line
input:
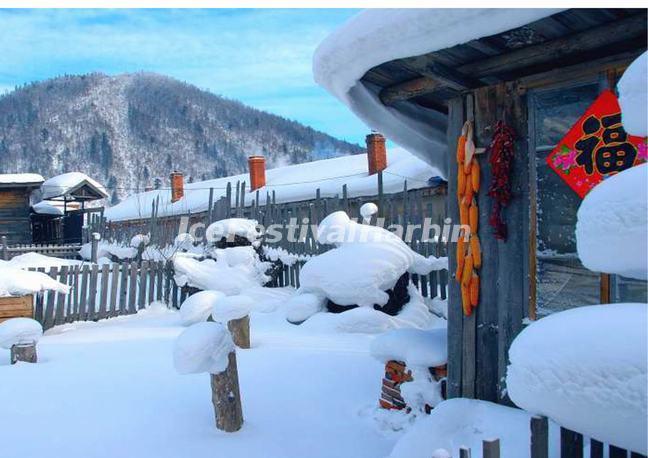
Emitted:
<point x="198" y="307"/>
<point x="231" y="308"/>
<point x="585" y="368"/>
<point x="203" y="347"/>
<point x="16" y="331"/>
<point x="231" y="228"/>
<point x="612" y="226"/>
<point x="184" y="241"/>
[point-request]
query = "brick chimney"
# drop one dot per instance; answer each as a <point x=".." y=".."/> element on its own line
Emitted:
<point x="376" y="153"/>
<point x="256" y="165"/>
<point x="177" y="186"/>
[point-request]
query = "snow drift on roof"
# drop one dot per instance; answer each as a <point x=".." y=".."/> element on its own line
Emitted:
<point x="63" y="184"/>
<point x="20" y="178"/>
<point x="292" y="183"/>
<point x="381" y="35"/>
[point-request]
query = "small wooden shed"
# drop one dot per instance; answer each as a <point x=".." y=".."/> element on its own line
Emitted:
<point x="538" y="79"/>
<point x="15" y="203"/>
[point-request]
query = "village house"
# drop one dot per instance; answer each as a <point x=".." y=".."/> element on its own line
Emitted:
<point x="518" y="80"/>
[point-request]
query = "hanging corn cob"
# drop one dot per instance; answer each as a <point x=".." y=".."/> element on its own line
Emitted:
<point x="468" y="248"/>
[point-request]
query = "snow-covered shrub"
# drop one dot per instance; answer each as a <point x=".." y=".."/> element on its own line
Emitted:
<point x="229" y="230"/>
<point x="612" y="226"/>
<point x="184" y="241"/>
<point x="585" y="368"/>
<point x="19" y="330"/>
<point x="231" y="308"/>
<point x="203" y="347"/>
<point x="139" y="240"/>
<point x="198" y="307"/>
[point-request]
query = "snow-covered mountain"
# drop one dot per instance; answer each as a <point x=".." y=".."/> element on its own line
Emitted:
<point x="129" y="131"/>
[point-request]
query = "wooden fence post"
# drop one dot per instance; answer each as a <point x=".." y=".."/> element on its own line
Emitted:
<point x="226" y="397"/>
<point x="464" y="452"/>
<point x="240" y="330"/>
<point x="94" y="247"/>
<point x="571" y="444"/>
<point x="491" y="448"/>
<point x="5" y="248"/>
<point x="539" y="437"/>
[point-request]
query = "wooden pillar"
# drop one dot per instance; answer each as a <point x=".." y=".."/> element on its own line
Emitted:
<point x="226" y="397"/>
<point x="240" y="330"/>
<point x="25" y="352"/>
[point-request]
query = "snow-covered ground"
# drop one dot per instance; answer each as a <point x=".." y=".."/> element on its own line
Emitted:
<point x="109" y="389"/>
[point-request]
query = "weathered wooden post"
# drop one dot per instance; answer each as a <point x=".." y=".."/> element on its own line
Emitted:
<point x="226" y="397"/>
<point x="464" y="452"/>
<point x="240" y="329"/>
<point x="235" y="311"/>
<point x="94" y="247"/>
<point x="5" y="248"/>
<point x="539" y="437"/>
<point x="208" y="347"/>
<point x="25" y="352"/>
<point x="491" y="448"/>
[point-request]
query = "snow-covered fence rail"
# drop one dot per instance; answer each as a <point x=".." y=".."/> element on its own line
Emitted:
<point x="69" y="251"/>
<point x="106" y="291"/>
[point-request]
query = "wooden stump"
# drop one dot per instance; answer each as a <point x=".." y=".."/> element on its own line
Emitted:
<point x="226" y="397"/>
<point x="25" y="352"/>
<point x="240" y="330"/>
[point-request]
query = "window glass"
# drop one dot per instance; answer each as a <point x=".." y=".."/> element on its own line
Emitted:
<point x="561" y="280"/>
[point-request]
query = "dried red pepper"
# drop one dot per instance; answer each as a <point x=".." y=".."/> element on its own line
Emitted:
<point x="501" y="161"/>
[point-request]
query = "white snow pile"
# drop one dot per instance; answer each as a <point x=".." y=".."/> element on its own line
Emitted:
<point x="377" y="36"/>
<point x="231" y="308"/>
<point x="228" y="228"/>
<point x="68" y="182"/>
<point x="233" y="271"/>
<point x="368" y="261"/>
<point x="46" y="208"/>
<point x="302" y="306"/>
<point x="633" y="93"/>
<point x="203" y="347"/>
<point x="139" y="240"/>
<point x="20" y="178"/>
<point x="198" y="306"/>
<point x="284" y="256"/>
<point x="32" y="259"/>
<point x="19" y="330"/>
<point x="466" y="422"/>
<point x="612" y="226"/>
<point x="184" y="241"/>
<point x="585" y="368"/>
<point x="368" y="210"/>
<point x="18" y="282"/>
<point x="415" y="347"/>
<point x="107" y="249"/>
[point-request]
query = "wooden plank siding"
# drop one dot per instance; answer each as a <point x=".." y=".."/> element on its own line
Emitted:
<point x="14" y="215"/>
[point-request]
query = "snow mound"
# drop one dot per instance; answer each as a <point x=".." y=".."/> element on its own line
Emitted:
<point x="612" y="226"/>
<point x="198" y="307"/>
<point x="18" y="282"/>
<point x="138" y="240"/>
<point x="32" y="259"/>
<point x="368" y="261"/>
<point x="585" y="368"/>
<point x="301" y="307"/>
<point x="107" y="249"/>
<point x="19" y="330"/>
<point x="184" y="241"/>
<point x="46" y="208"/>
<point x="415" y="347"/>
<point x="466" y="422"/>
<point x="368" y="210"/>
<point x="67" y="182"/>
<point x="633" y="93"/>
<point x="231" y="308"/>
<point x="203" y="347"/>
<point x="228" y="228"/>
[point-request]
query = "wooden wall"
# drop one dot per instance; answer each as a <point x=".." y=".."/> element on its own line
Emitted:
<point x="478" y="345"/>
<point x="14" y="215"/>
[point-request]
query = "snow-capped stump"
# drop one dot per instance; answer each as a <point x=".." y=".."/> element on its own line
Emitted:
<point x="235" y="311"/>
<point x="415" y="367"/>
<point x="20" y="335"/>
<point x="233" y="232"/>
<point x="198" y="307"/>
<point x="612" y="226"/>
<point x="586" y="369"/>
<point x="633" y="93"/>
<point x="208" y="347"/>
<point x="366" y="264"/>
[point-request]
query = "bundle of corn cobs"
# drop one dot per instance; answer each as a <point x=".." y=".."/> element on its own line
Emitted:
<point x="468" y="248"/>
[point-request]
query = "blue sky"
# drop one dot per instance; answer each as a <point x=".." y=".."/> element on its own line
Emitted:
<point x="261" y="57"/>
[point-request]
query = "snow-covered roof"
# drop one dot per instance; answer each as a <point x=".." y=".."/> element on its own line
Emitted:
<point x="69" y="183"/>
<point x="46" y="208"/>
<point x="292" y="183"/>
<point x="8" y="179"/>
<point x="376" y="36"/>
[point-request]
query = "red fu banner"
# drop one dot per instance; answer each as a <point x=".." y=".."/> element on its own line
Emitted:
<point x="596" y="147"/>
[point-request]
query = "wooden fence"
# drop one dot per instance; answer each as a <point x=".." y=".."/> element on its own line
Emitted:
<point x="106" y="291"/>
<point x="7" y="252"/>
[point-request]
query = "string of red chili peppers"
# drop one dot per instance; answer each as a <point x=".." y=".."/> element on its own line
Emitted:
<point x="501" y="160"/>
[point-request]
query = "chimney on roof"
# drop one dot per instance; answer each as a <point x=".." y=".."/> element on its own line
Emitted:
<point x="376" y="153"/>
<point x="256" y="165"/>
<point x="177" y="186"/>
